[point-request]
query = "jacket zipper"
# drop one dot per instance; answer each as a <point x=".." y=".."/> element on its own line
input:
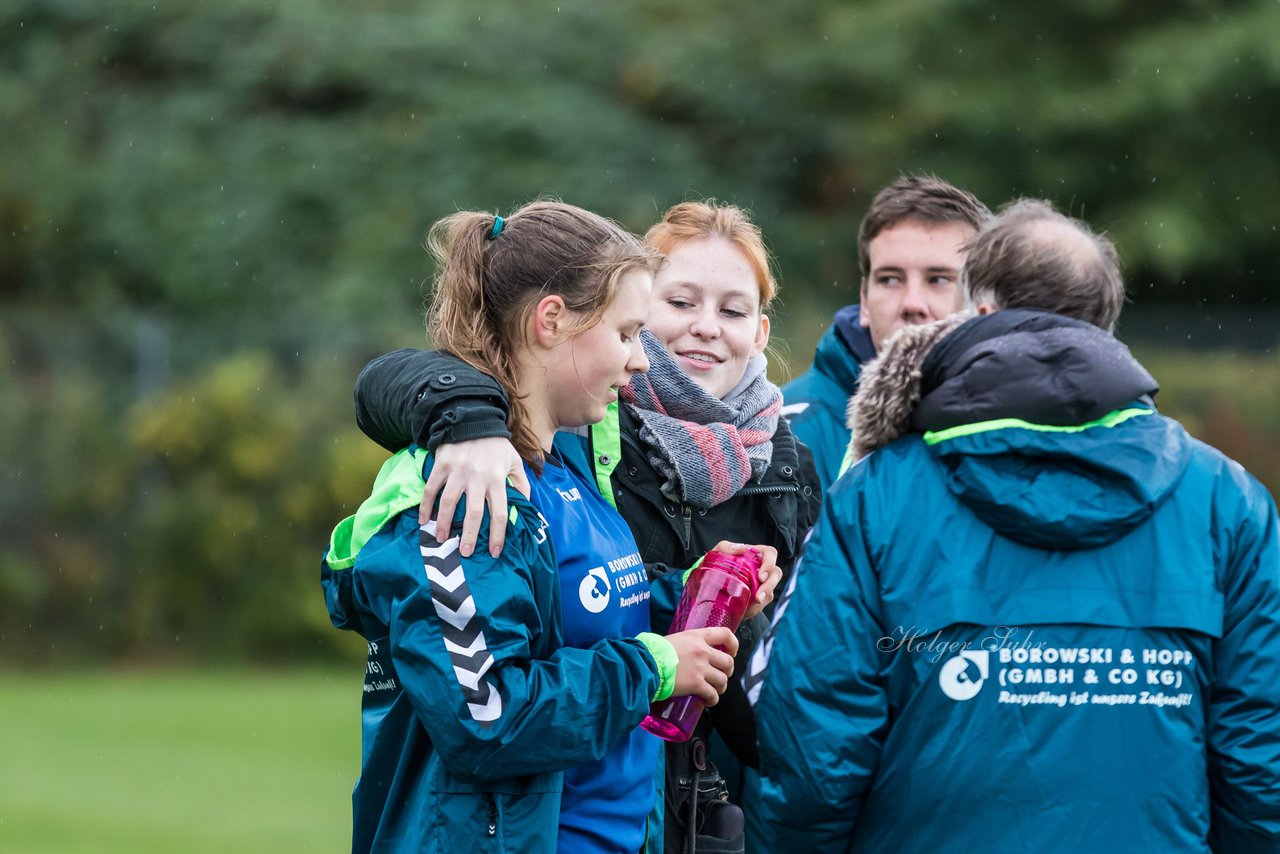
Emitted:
<point x="493" y="815"/>
<point x="779" y="489"/>
<point x="688" y="524"/>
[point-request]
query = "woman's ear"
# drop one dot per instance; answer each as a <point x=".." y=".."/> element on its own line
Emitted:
<point x="762" y="336"/>
<point x="550" y="321"/>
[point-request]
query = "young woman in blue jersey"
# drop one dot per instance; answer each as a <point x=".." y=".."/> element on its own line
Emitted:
<point x="699" y="452"/>
<point x="503" y="694"/>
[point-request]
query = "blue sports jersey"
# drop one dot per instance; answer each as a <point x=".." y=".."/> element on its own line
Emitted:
<point x="604" y="594"/>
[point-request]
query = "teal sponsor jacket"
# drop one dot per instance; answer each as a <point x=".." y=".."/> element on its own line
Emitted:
<point x="1049" y="635"/>
<point x="472" y="705"/>
<point x="814" y="403"/>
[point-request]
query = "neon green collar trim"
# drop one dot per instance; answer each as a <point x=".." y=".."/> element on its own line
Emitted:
<point x="1111" y="419"/>
<point x="397" y="488"/>
<point x="606" y="450"/>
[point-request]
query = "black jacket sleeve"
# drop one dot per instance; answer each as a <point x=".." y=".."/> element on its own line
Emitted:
<point x="428" y="397"/>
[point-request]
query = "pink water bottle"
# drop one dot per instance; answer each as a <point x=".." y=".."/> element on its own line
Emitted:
<point x="717" y="593"/>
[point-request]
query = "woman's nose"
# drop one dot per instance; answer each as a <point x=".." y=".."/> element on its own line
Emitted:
<point x="706" y="325"/>
<point x="639" y="362"/>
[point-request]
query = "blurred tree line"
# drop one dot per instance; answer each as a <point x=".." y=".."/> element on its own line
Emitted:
<point x="211" y="215"/>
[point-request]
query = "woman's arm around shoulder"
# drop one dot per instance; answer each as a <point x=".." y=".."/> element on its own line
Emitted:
<point x="427" y="397"/>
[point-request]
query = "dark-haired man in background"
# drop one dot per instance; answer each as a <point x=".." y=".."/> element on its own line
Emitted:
<point x="910" y="251"/>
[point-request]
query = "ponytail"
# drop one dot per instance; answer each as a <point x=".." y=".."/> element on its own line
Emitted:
<point x="491" y="272"/>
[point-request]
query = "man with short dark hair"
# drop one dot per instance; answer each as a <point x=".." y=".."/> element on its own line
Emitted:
<point x="1035" y="615"/>
<point x="910" y="251"/>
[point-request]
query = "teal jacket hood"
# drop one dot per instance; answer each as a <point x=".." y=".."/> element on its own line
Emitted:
<point x="843" y="349"/>
<point x="815" y="401"/>
<point x="1043" y="425"/>
<point x="1075" y="488"/>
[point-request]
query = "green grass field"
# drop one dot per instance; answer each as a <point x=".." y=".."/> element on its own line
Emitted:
<point x="178" y="761"/>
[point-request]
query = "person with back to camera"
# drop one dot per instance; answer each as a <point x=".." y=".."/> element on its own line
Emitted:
<point x="696" y="454"/>
<point x="503" y="693"/>
<point x="1035" y="615"/>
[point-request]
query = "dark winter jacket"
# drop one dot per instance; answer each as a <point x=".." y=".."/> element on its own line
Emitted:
<point x="815" y="401"/>
<point x="1050" y="622"/>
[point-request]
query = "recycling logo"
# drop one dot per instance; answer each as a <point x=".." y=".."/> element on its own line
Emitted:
<point x="594" y="590"/>
<point x="961" y="677"/>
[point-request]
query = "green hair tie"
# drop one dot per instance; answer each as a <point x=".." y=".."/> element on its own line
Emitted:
<point x="497" y="227"/>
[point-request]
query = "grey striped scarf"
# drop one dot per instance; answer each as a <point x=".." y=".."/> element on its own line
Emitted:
<point x="706" y="448"/>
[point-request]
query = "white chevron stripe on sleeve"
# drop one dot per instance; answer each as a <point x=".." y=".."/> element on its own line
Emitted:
<point x="472" y="680"/>
<point x="753" y="680"/>
<point x="443" y="550"/>
<point x="459" y="618"/>
<point x="450" y="581"/>
<point x="458" y="649"/>
<point x="760" y="658"/>
<point x="490" y="711"/>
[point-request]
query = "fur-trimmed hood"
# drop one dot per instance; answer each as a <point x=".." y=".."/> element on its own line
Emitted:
<point x="880" y="411"/>
<point x="1044" y="425"/>
<point x="1032" y="365"/>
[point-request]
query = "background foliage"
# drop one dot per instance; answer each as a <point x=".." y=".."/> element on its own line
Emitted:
<point x="211" y="216"/>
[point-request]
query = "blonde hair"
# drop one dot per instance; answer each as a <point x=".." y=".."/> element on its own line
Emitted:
<point x="695" y="220"/>
<point x="486" y="284"/>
